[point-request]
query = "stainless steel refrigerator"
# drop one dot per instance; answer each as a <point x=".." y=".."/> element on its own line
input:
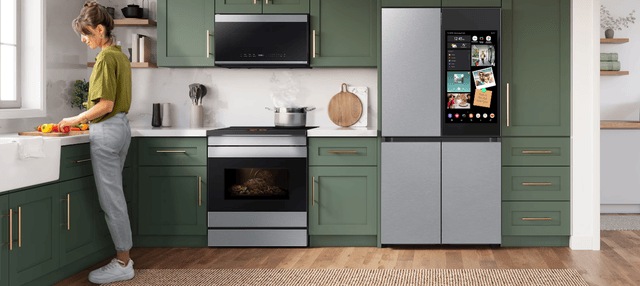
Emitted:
<point x="441" y="156"/>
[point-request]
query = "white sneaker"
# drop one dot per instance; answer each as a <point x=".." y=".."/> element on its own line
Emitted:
<point x="112" y="272"/>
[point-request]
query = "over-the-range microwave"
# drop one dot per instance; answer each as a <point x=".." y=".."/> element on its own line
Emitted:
<point x="265" y="41"/>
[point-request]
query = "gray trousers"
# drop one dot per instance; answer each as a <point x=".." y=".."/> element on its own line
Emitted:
<point x="110" y="141"/>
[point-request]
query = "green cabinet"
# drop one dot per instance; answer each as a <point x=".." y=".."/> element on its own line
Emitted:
<point x="4" y="234"/>
<point x="344" y="33"/>
<point x="343" y="186"/>
<point x="35" y="229"/>
<point x="536" y="81"/>
<point x="262" y="6"/>
<point x="185" y="33"/>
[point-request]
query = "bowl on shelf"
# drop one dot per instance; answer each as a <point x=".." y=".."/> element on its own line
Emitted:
<point x="132" y="11"/>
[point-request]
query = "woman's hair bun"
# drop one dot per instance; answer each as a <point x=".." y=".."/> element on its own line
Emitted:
<point x="91" y="3"/>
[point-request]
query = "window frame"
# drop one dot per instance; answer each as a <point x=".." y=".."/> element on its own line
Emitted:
<point x="17" y="102"/>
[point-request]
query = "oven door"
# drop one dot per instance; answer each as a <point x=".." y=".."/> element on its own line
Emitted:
<point x="257" y="184"/>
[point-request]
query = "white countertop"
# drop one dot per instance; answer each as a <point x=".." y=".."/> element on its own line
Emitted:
<point x="336" y="131"/>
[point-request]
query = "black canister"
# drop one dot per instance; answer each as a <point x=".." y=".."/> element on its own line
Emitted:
<point x="156" y="119"/>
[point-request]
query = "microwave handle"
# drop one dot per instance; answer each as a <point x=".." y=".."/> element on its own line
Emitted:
<point x="208" y="44"/>
<point x="313" y="44"/>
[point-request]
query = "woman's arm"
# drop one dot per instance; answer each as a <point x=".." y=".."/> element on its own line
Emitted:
<point x="101" y="108"/>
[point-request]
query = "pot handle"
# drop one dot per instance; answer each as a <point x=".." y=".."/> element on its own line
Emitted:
<point x="309" y="108"/>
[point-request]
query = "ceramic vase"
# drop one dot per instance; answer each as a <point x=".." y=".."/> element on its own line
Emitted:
<point x="608" y="33"/>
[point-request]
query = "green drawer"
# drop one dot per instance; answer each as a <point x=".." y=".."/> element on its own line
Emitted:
<point x="410" y="3"/>
<point x="535" y="218"/>
<point x="75" y="161"/>
<point x="535" y="183"/>
<point x="535" y="151"/>
<point x="343" y="151"/>
<point x="172" y="151"/>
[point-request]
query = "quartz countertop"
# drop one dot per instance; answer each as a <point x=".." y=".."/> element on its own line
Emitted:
<point x="337" y="131"/>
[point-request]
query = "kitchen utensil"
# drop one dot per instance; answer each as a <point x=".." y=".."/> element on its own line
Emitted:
<point x="197" y="92"/>
<point x="156" y="118"/>
<point x="345" y="108"/>
<point x="132" y="11"/>
<point x="290" y="116"/>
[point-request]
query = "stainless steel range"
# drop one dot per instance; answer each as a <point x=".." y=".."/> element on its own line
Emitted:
<point x="257" y="191"/>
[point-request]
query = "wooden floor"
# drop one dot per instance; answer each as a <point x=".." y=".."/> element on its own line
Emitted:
<point x="617" y="263"/>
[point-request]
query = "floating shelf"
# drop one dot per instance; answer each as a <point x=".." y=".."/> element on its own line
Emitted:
<point x="614" y="72"/>
<point x="613" y="40"/>
<point x="133" y="65"/>
<point x="134" y="22"/>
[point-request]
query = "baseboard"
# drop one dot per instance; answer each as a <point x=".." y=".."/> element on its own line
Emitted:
<point x="619" y="209"/>
<point x="583" y="243"/>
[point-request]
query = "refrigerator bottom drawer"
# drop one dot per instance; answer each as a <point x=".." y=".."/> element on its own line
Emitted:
<point x="257" y="237"/>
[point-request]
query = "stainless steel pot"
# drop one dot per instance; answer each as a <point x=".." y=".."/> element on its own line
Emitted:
<point x="290" y="116"/>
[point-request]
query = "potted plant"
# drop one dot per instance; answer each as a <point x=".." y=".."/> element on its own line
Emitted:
<point x="610" y="23"/>
<point x="79" y="93"/>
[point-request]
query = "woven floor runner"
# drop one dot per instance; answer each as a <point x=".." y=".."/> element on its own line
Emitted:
<point x="368" y="277"/>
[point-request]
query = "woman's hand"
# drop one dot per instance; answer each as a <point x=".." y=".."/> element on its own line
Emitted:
<point x="71" y="121"/>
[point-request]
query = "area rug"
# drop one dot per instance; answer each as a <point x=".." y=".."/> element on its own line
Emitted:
<point x="368" y="277"/>
<point x="619" y="222"/>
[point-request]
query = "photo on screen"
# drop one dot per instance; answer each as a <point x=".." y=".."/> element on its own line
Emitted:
<point x="483" y="55"/>
<point x="458" y="101"/>
<point x="483" y="78"/>
<point x="458" y="81"/>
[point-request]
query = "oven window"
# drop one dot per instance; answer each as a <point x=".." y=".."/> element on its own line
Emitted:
<point x="256" y="183"/>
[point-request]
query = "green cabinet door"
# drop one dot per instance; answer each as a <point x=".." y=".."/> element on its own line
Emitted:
<point x="262" y="6"/>
<point x="4" y="243"/>
<point x="343" y="201"/>
<point x="77" y="215"/>
<point x="172" y="201"/>
<point x="36" y="236"/>
<point x="185" y="33"/>
<point x="345" y="33"/>
<point x="471" y="3"/>
<point x="536" y="68"/>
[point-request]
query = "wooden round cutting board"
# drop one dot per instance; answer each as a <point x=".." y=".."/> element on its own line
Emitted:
<point x="345" y="108"/>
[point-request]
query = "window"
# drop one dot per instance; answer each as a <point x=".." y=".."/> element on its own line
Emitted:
<point x="9" y="47"/>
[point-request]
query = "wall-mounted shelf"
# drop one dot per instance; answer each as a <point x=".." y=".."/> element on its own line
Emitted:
<point x="134" y="22"/>
<point x="613" y="40"/>
<point x="133" y="65"/>
<point x="614" y="72"/>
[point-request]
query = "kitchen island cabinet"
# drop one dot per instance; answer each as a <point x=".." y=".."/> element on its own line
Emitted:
<point x="185" y="33"/>
<point x="343" y="186"/>
<point x="262" y="6"/>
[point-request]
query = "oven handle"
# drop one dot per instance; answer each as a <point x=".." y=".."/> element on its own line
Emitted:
<point x="256" y="152"/>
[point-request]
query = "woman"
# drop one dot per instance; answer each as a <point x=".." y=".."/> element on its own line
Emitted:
<point x="108" y="102"/>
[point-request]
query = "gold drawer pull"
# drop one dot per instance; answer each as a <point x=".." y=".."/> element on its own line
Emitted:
<point x="342" y="152"/>
<point x="172" y="151"/>
<point x="19" y="226"/>
<point x="81" y="161"/>
<point x="199" y="191"/>
<point x="536" y="218"/>
<point x="10" y="229"/>
<point x="536" y="184"/>
<point x="536" y="152"/>
<point x="313" y="191"/>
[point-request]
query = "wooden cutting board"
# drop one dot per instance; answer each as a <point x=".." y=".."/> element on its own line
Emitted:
<point x="345" y="108"/>
<point x="52" y="134"/>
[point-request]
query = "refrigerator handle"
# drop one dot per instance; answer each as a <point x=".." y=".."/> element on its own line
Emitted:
<point x="508" y="111"/>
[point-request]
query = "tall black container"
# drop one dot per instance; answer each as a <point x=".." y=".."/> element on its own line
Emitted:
<point x="156" y="119"/>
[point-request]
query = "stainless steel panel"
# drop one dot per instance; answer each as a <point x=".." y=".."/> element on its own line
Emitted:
<point x="257" y="152"/>
<point x="410" y="193"/>
<point x="411" y="72"/>
<point x="257" y="237"/>
<point x="257" y="219"/>
<point x="471" y="193"/>
<point x="261" y="62"/>
<point x="261" y="18"/>
<point x="257" y="140"/>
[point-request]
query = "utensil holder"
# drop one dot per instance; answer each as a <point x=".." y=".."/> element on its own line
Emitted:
<point x="196" y="116"/>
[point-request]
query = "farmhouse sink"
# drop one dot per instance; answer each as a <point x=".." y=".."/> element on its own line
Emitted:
<point x="17" y="172"/>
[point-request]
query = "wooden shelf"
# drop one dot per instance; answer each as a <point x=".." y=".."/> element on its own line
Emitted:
<point x="134" y="22"/>
<point x="614" y="72"/>
<point x="613" y="40"/>
<point x="133" y="65"/>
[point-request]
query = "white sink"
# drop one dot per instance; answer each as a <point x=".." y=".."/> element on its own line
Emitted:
<point x="18" y="173"/>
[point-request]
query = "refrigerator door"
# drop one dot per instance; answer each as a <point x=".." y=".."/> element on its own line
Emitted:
<point x="410" y="193"/>
<point x="411" y="72"/>
<point x="471" y="193"/>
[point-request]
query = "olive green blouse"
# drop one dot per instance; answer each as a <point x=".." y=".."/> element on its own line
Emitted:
<point x="110" y="80"/>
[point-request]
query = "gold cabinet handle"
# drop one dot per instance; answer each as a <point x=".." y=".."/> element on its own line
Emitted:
<point x="536" y="184"/>
<point x="342" y="152"/>
<point x="10" y="229"/>
<point x="538" y="152"/>
<point x="209" y="40"/>
<point x="68" y="211"/>
<point x="172" y="151"/>
<point x="255" y="2"/>
<point x="199" y="191"/>
<point x="81" y="161"/>
<point x="19" y="226"/>
<point x="536" y="218"/>
<point x="313" y="191"/>
<point x="266" y="2"/>
<point x="313" y="43"/>
<point x="508" y="105"/>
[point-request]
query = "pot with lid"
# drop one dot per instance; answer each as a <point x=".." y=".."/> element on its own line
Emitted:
<point x="290" y="116"/>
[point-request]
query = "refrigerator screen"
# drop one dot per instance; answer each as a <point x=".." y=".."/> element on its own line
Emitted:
<point x="471" y="93"/>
